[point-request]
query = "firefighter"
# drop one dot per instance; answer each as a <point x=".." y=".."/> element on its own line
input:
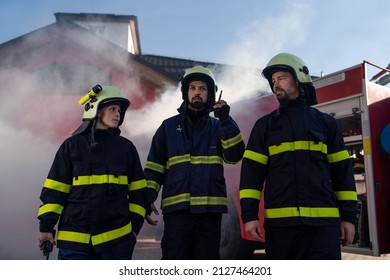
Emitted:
<point x="186" y="161"/>
<point x="298" y="152"/>
<point x="95" y="188"/>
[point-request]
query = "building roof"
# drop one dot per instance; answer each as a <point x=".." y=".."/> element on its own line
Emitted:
<point x="173" y="67"/>
<point x="169" y="67"/>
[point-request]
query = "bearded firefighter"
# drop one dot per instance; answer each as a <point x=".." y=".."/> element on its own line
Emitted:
<point x="185" y="164"/>
<point x="296" y="159"/>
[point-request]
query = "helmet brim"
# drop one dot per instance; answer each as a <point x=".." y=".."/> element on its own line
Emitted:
<point x="122" y="102"/>
<point x="269" y="71"/>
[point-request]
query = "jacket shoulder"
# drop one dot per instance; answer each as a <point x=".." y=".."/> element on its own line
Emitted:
<point x="171" y="119"/>
<point x="325" y="116"/>
<point x="268" y="117"/>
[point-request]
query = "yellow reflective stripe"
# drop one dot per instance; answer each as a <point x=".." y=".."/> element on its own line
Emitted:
<point x="155" y="167"/>
<point x="367" y="146"/>
<point x="175" y="199"/>
<point x="197" y="200"/>
<point x="135" y="208"/>
<point x="111" y="235"/>
<point x="84" y="238"/>
<point x="250" y="193"/>
<point x="314" y="212"/>
<point x="73" y="236"/>
<point x="194" y="160"/>
<point x="232" y="141"/>
<point x="56" y="185"/>
<point x="100" y="179"/>
<point x="298" y="145"/>
<point x="50" y="207"/>
<point x="178" y="159"/>
<point x="339" y="156"/>
<point x="137" y="185"/>
<point x="208" y="200"/>
<point x="263" y="159"/>
<point x="318" y="147"/>
<point x="346" y="195"/>
<point x="206" y="160"/>
<point x="319" y="212"/>
<point x="153" y="185"/>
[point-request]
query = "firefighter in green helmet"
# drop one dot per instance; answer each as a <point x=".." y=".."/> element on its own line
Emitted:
<point x="185" y="164"/>
<point x="296" y="159"/>
<point x="95" y="191"/>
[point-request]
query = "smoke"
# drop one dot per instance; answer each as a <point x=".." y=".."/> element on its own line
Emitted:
<point x="144" y="120"/>
<point x="260" y="40"/>
<point x="31" y="138"/>
<point x="24" y="166"/>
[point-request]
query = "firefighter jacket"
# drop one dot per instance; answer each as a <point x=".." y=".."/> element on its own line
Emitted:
<point x="299" y="153"/>
<point x="186" y="160"/>
<point x="98" y="194"/>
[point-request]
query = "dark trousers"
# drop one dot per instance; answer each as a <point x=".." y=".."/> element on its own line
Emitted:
<point x="191" y="236"/>
<point x="303" y="243"/>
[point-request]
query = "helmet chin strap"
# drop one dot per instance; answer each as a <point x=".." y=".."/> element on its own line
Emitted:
<point x="92" y="143"/>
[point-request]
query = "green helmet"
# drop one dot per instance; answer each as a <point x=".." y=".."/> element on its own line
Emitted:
<point x="202" y="74"/>
<point x="104" y="96"/>
<point x="296" y="66"/>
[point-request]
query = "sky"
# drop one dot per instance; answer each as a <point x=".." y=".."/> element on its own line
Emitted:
<point x="328" y="35"/>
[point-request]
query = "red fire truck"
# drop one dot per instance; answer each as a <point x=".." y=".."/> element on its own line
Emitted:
<point x="362" y="108"/>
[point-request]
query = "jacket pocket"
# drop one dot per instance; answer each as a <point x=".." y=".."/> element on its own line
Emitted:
<point x="175" y="175"/>
<point x="317" y="145"/>
<point x="73" y="215"/>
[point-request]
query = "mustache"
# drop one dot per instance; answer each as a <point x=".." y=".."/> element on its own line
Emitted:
<point x="279" y="88"/>
<point x="197" y="99"/>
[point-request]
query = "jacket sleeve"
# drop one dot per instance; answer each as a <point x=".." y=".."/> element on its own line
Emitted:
<point x="138" y="203"/>
<point x="233" y="146"/>
<point x="155" y="164"/>
<point x="56" y="189"/>
<point x="253" y="173"/>
<point x="342" y="177"/>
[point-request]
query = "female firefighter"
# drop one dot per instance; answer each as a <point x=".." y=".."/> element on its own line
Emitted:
<point x="95" y="189"/>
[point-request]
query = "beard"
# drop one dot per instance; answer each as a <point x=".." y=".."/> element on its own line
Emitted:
<point x="197" y="105"/>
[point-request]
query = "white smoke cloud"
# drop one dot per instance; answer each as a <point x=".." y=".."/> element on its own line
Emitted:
<point x="259" y="40"/>
<point x="24" y="165"/>
<point x="146" y="119"/>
